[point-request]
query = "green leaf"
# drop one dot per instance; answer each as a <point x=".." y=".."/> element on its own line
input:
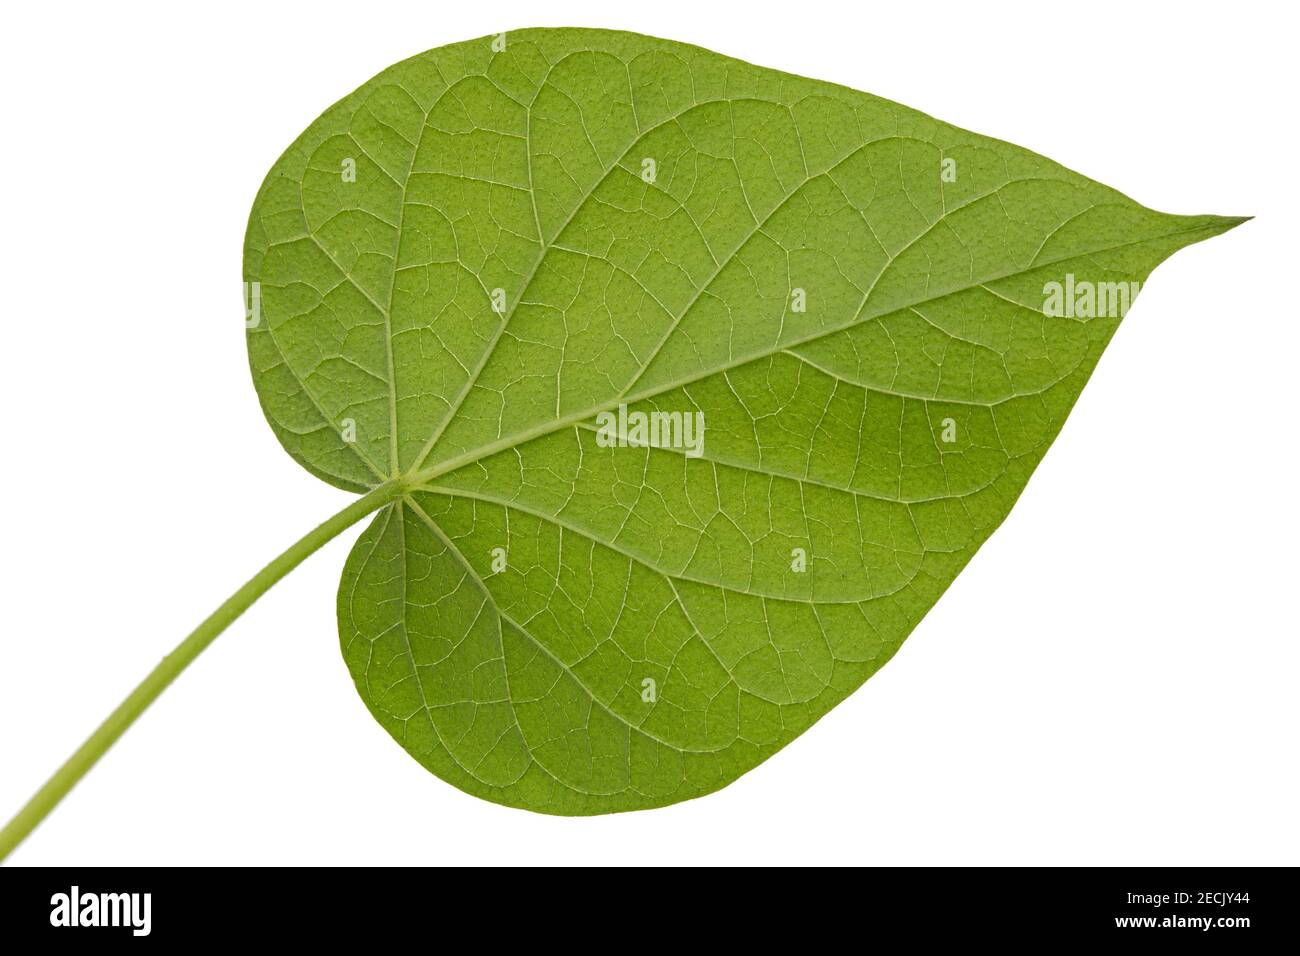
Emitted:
<point x="469" y="259"/>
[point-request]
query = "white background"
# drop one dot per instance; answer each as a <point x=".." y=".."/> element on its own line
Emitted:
<point x="1113" y="679"/>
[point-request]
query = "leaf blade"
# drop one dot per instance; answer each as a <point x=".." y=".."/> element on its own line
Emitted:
<point x="667" y="294"/>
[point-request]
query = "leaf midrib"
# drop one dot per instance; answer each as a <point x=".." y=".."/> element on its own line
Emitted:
<point x="415" y="477"/>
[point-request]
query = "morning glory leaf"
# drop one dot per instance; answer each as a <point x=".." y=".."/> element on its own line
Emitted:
<point x="700" y="381"/>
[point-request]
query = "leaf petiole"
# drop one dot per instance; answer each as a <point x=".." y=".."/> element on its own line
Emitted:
<point x="85" y="757"/>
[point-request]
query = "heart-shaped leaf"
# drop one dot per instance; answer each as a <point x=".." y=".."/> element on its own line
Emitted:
<point x="703" y="381"/>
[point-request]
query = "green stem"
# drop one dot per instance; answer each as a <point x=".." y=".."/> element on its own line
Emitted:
<point x="66" y="777"/>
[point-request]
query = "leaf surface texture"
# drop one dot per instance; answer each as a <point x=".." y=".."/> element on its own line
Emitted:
<point x="500" y="270"/>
